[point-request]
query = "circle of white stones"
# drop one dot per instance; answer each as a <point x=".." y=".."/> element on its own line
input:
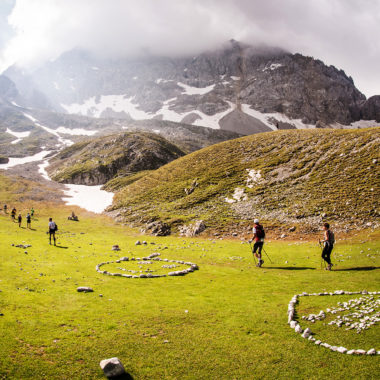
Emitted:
<point x="153" y="257"/>
<point x="307" y="333"/>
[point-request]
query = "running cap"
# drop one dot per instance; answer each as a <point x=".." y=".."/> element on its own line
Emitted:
<point x="256" y="221"/>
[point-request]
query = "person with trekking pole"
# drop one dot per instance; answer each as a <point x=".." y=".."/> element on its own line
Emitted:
<point x="258" y="237"/>
<point x="328" y="244"/>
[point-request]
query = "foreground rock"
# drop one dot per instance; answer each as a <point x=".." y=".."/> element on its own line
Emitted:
<point x="112" y="367"/>
<point x="84" y="289"/>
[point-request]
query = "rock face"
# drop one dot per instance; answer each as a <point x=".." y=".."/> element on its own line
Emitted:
<point x="268" y="86"/>
<point x="97" y="161"/>
<point x="371" y="108"/>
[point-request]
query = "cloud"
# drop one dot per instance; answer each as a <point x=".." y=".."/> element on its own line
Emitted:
<point x="340" y="32"/>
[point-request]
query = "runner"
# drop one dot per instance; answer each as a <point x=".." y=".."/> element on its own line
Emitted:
<point x="258" y="236"/>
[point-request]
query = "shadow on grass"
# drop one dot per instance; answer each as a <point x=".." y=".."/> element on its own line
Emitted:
<point x="125" y="376"/>
<point x="290" y="268"/>
<point x="355" y="268"/>
<point x="61" y="246"/>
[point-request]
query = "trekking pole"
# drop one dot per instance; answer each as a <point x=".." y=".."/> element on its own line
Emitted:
<point x="322" y="260"/>
<point x="250" y="245"/>
<point x="267" y="256"/>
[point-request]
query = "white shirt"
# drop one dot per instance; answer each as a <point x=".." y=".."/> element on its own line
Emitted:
<point x="51" y="226"/>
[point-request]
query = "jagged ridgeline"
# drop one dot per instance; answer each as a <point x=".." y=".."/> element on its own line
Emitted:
<point x="96" y="161"/>
<point x="283" y="177"/>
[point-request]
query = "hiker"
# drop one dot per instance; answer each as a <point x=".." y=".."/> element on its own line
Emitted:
<point x="328" y="244"/>
<point x="258" y="236"/>
<point x="32" y="212"/>
<point x="52" y="229"/>
<point x="19" y="220"/>
<point x="5" y="208"/>
<point x="13" y="213"/>
<point x="28" y="221"/>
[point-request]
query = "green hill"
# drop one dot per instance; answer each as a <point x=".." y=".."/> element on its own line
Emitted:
<point x="96" y="161"/>
<point x="284" y="177"/>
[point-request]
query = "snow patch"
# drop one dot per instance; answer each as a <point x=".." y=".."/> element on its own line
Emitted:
<point x="14" y="161"/>
<point x="238" y="196"/>
<point x="234" y="78"/>
<point x="118" y="103"/>
<point x="19" y="135"/>
<point x="273" y="66"/>
<point x="61" y="141"/>
<point x="91" y="198"/>
<point x="265" y="118"/>
<point x="42" y="170"/>
<point x="75" y="131"/>
<point x="190" y="90"/>
<point x="254" y="177"/>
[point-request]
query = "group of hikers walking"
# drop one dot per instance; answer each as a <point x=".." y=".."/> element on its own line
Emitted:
<point x="28" y="217"/>
<point x="258" y="237"/>
<point x="52" y="225"/>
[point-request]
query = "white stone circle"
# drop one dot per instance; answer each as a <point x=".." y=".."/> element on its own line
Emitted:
<point x="368" y="302"/>
<point x="149" y="259"/>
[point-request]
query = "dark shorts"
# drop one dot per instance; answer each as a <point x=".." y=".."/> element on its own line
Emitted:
<point x="51" y="232"/>
<point x="258" y="246"/>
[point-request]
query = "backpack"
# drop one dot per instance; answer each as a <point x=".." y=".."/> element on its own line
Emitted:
<point x="56" y="227"/>
<point x="260" y="233"/>
<point x="331" y="237"/>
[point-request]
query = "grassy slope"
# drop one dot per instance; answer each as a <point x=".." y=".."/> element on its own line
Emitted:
<point x="306" y="173"/>
<point x="113" y="153"/>
<point x="236" y="321"/>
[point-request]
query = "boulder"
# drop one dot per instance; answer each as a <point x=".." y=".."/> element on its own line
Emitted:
<point x="112" y="367"/>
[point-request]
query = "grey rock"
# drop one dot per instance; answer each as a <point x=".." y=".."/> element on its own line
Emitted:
<point x="112" y="367"/>
<point x="84" y="289"/>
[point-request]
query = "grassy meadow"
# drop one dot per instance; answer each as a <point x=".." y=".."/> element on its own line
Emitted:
<point x="226" y="321"/>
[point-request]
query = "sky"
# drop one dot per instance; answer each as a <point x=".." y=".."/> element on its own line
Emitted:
<point x="343" y="33"/>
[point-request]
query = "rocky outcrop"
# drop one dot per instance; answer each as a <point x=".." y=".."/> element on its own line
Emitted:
<point x="371" y="109"/>
<point x="97" y="161"/>
<point x="4" y="160"/>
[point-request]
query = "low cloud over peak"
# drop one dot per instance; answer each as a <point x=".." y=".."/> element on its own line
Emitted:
<point x="340" y="32"/>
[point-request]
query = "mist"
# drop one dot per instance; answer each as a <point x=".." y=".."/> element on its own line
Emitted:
<point x="339" y="32"/>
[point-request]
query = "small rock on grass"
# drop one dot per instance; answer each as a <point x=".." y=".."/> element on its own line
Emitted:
<point x="84" y="289"/>
<point x="112" y="367"/>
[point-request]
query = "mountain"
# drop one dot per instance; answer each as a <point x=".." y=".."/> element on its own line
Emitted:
<point x="25" y="131"/>
<point x="237" y="87"/>
<point x="99" y="160"/>
<point x="285" y="178"/>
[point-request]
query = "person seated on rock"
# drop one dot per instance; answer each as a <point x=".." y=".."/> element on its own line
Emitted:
<point x="73" y="217"/>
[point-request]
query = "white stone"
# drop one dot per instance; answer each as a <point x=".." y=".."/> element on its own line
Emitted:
<point x="350" y="352"/>
<point x="112" y="367"/>
<point x="298" y="329"/>
<point x="293" y="324"/>
<point x="372" y="351"/>
<point x="360" y="352"/>
<point x="342" y="350"/>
